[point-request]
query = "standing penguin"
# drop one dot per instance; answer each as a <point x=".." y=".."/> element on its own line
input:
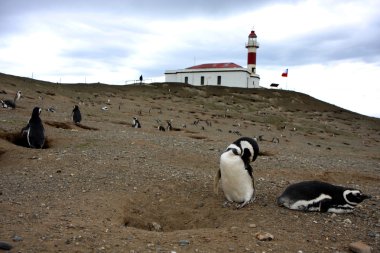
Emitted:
<point x="35" y="132"/>
<point x="77" y="117"/>
<point x="321" y="197"/>
<point x="236" y="173"/>
<point x="136" y="123"/>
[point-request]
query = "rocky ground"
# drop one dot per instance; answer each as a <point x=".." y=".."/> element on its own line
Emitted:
<point x="104" y="186"/>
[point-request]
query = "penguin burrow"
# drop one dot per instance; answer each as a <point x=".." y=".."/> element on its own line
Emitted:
<point x="236" y="173"/>
<point x="320" y="197"/>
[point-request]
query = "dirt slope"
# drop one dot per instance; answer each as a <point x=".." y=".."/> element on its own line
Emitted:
<point x="104" y="186"/>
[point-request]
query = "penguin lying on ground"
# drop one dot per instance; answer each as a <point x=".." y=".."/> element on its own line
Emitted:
<point x="236" y="173"/>
<point x="9" y="103"/>
<point x="34" y="131"/>
<point x="321" y="197"/>
<point x="77" y="117"/>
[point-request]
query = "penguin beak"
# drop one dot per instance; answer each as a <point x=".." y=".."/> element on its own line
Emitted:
<point x="366" y="196"/>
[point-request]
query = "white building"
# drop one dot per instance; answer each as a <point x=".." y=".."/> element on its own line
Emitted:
<point x="224" y="74"/>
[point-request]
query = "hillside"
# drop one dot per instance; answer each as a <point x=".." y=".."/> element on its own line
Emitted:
<point x="104" y="186"/>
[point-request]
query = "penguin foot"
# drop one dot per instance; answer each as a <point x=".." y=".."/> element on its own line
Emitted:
<point x="238" y="206"/>
<point x="227" y="204"/>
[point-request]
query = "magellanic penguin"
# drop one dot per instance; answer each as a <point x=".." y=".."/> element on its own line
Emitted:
<point x="320" y="197"/>
<point x="236" y="173"/>
<point x="77" y="117"/>
<point x="11" y="103"/>
<point x="35" y="133"/>
<point x="136" y="123"/>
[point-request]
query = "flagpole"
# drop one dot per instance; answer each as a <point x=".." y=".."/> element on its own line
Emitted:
<point x="287" y="83"/>
<point x="285" y="75"/>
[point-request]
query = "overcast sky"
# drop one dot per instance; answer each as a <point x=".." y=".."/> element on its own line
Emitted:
<point x="331" y="47"/>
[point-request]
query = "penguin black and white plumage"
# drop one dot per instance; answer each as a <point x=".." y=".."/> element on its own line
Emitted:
<point x="320" y="197"/>
<point x="236" y="173"/>
<point x="77" y="117"/>
<point x="136" y="123"/>
<point x="11" y="103"/>
<point x="35" y="132"/>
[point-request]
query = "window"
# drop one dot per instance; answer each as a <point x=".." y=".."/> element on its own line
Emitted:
<point x="253" y="70"/>
<point x="186" y="79"/>
<point x="219" y="80"/>
<point x="202" y="80"/>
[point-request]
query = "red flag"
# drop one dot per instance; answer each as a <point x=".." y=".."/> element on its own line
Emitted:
<point x="285" y="73"/>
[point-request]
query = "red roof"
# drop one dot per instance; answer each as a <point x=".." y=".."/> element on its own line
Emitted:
<point x="216" y="66"/>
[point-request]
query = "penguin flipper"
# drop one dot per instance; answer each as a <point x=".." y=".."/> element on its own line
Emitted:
<point x="324" y="205"/>
<point x="249" y="168"/>
<point x="254" y="190"/>
<point x="24" y="129"/>
<point x="217" y="177"/>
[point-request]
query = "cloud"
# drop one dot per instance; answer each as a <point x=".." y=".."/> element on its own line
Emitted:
<point x="118" y="40"/>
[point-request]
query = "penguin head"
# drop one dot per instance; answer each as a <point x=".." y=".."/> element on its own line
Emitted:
<point x="354" y="197"/>
<point x="249" y="147"/>
<point x="36" y="112"/>
<point x="76" y="107"/>
<point x="18" y="95"/>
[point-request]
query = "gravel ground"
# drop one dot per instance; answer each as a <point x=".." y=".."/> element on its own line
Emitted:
<point x="104" y="186"/>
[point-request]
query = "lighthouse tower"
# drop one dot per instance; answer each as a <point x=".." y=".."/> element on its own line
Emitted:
<point x="252" y="45"/>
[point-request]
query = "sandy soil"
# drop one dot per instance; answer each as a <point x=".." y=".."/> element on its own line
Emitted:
<point x="104" y="186"/>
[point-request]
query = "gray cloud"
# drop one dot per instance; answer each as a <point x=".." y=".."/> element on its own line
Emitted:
<point x="136" y="8"/>
<point x="106" y="40"/>
<point x="343" y="43"/>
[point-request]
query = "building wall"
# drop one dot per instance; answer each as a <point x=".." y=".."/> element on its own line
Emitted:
<point x="230" y="78"/>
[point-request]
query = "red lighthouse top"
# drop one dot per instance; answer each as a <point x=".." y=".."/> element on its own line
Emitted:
<point x="252" y="34"/>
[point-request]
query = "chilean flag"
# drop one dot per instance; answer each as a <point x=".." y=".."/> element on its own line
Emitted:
<point x="285" y="73"/>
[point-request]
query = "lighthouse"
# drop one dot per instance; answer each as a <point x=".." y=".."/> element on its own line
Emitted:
<point x="252" y="45"/>
<point x="221" y="73"/>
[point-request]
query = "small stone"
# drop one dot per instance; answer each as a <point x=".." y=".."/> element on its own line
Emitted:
<point x="347" y="221"/>
<point x="264" y="236"/>
<point x="359" y="247"/>
<point x="184" y="242"/>
<point x="154" y="226"/>
<point x="252" y="225"/>
<point x="373" y="234"/>
<point x="17" y="238"/>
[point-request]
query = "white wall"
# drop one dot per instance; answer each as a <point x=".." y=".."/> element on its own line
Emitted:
<point x="229" y="77"/>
